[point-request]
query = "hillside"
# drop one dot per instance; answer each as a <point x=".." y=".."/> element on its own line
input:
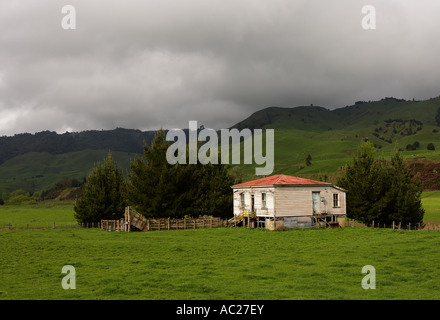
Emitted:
<point x="332" y="136"/>
<point x="35" y="162"/>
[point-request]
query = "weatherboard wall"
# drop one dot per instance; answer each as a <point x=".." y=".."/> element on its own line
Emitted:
<point x="259" y="208"/>
<point x="298" y="201"/>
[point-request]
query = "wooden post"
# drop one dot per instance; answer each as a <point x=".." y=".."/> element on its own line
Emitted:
<point x="373" y="224"/>
<point x="393" y="224"/>
<point x="168" y="223"/>
<point x="184" y="223"/>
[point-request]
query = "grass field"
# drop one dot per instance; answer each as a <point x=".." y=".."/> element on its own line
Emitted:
<point x="38" y="215"/>
<point x="223" y="263"/>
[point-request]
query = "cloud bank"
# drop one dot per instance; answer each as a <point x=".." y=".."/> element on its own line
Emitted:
<point x="151" y="64"/>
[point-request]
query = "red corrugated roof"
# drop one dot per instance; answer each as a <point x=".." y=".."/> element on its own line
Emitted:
<point x="280" y="179"/>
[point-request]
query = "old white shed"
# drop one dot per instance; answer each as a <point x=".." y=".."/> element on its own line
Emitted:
<point x="287" y="201"/>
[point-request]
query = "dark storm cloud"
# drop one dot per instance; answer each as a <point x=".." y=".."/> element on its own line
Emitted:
<point x="147" y="64"/>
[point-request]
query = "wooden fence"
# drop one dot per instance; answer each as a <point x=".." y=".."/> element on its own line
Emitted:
<point x="165" y="224"/>
<point x="33" y="226"/>
<point x="185" y="223"/>
<point x="397" y="225"/>
<point x="136" y="221"/>
<point x="431" y="225"/>
<point x="113" y="225"/>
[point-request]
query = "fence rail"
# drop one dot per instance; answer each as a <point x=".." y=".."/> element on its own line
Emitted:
<point x="192" y="223"/>
<point x="397" y="225"/>
<point x="164" y="224"/>
<point x="428" y="225"/>
<point x="133" y="220"/>
<point x="31" y="226"/>
<point x="185" y="223"/>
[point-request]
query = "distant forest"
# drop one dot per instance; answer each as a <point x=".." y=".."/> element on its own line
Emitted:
<point x="125" y="140"/>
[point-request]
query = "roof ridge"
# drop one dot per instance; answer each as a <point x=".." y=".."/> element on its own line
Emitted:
<point x="282" y="179"/>
<point x="279" y="177"/>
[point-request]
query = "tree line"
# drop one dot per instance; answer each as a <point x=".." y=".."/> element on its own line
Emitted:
<point x="381" y="190"/>
<point x="156" y="188"/>
<point x="378" y="190"/>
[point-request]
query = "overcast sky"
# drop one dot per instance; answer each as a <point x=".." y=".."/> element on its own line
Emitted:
<point x="148" y="64"/>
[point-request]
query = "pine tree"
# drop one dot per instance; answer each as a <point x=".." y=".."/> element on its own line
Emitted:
<point x="404" y="195"/>
<point x="159" y="189"/>
<point x="364" y="181"/>
<point x="103" y="197"/>
<point x="381" y="190"/>
<point x="151" y="185"/>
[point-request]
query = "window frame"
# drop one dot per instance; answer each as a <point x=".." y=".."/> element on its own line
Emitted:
<point x="264" y="200"/>
<point x="242" y="200"/>
<point x="336" y="200"/>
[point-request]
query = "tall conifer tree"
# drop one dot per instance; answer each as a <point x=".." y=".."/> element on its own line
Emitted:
<point x="159" y="189"/>
<point x="381" y="190"/>
<point x="103" y="195"/>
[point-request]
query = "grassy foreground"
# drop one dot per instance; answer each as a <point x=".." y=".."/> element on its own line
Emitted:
<point x="223" y="263"/>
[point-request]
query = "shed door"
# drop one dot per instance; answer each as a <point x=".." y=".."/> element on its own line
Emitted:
<point x="316" y="202"/>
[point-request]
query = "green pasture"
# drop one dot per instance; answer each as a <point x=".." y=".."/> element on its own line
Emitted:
<point x="222" y="263"/>
<point x="40" y="214"/>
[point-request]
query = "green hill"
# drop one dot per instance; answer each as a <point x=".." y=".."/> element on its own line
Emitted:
<point x="37" y="162"/>
<point x="38" y="171"/>
<point x="332" y="136"/>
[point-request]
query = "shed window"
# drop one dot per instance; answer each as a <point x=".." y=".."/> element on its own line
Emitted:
<point x="242" y="199"/>
<point x="263" y="200"/>
<point x="335" y="199"/>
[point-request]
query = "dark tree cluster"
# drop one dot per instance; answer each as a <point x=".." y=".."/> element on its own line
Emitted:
<point x="381" y="190"/>
<point x="156" y="188"/>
